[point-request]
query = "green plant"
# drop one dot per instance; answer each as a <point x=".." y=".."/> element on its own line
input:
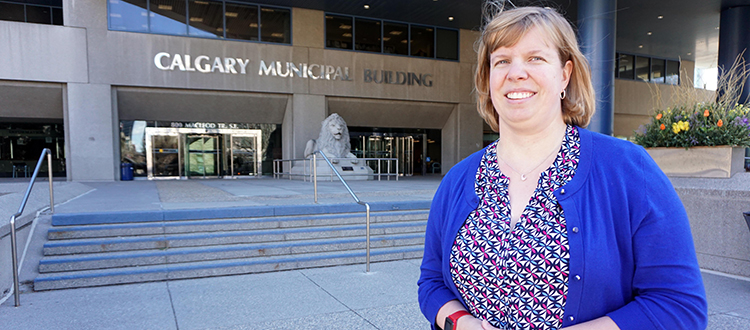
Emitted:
<point x="691" y="123"/>
<point x="703" y="124"/>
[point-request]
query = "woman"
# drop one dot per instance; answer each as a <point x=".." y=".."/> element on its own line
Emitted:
<point x="553" y="226"/>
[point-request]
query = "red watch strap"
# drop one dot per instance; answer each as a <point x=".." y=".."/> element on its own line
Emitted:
<point x="457" y="315"/>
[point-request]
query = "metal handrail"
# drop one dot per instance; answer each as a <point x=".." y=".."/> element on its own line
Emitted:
<point x="14" y="256"/>
<point x="356" y="199"/>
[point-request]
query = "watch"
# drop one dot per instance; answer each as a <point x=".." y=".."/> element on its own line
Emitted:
<point x="451" y="320"/>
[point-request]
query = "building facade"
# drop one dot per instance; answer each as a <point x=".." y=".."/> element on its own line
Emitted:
<point x="198" y="89"/>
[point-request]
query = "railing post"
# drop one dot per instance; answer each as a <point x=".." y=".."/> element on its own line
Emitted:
<point x="315" y="175"/>
<point x="368" y="236"/>
<point x="14" y="260"/>
<point x="49" y="169"/>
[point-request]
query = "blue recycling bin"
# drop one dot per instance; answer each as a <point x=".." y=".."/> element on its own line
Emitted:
<point x="126" y="171"/>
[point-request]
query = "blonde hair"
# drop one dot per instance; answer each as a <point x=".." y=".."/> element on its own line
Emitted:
<point x="506" y="29"/>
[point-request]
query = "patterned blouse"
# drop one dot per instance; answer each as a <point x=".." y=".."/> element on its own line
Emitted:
<point x="516" y="279"/>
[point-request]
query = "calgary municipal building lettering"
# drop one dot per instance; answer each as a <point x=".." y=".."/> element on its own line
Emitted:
<point x="235" y="65"/>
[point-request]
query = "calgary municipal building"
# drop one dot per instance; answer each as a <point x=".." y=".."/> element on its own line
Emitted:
<point x="187" y="89"/>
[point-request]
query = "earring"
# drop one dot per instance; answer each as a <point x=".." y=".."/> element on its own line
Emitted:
<point x="562" y="95"/>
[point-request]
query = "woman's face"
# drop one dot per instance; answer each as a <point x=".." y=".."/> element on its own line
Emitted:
<point x="526" y="80"/>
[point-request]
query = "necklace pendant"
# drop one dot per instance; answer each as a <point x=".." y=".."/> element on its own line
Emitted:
<point x="523" y="177"/>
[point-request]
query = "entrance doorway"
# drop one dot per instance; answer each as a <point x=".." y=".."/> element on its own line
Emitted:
<point x="197" y="153"/>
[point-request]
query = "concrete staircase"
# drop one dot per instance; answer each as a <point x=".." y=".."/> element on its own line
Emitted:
<point x="95" y="249"/>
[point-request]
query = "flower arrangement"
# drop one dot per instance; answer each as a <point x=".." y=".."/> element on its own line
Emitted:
<point x="693" y="123"/>
<point x="703" y="124"/>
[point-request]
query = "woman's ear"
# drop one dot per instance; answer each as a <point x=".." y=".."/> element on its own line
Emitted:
<point x="567" y="71"/>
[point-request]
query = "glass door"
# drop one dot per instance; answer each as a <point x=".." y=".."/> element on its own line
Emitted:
<point x="163" y="156"/>
<point x="245" y="156"/>
<point x="202" y="155"/>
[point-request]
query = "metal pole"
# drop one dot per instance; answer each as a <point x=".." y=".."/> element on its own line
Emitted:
<point x="49" y="169"/>
<point x="315" y="176"/>
<point x="368" y="236"/>
<point x="16" y="295"/>
<point x="379" y="173"/>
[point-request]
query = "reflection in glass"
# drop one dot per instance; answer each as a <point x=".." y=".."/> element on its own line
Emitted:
<point x="242" y="21"/>
<point x="128" y="15"/>
<point x="672" y="75"/>
<point x="367" y="34"/>
<point x="395" y="38"/>
<point x="422" y="41"/>
<point x="168" y="17"/>
<point x="165" y="153"/>
<point x="276" y="25"/>
<point x="641" y="68"/>
<point x="11" y="12"/>
<point x="625" y="66"/>
<point x="243" y="155"/>
<point x="339" y="32"/>
<point x="202" y="155"/>
<point x="657" y="70"/>
<point x="21" y="145"/>
<point x="447" y="44"/>
<point x="38" y="14"/>
<point x="206" y="18"/>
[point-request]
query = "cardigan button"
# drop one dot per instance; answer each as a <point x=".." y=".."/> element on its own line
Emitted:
<point x="562" y="191"/>
<point x="578" y="277"/>
<point x="575" y="229"/>
<point x="571" y="318"/>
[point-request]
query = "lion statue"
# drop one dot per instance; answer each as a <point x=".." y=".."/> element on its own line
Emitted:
<point x="333" y="139"/>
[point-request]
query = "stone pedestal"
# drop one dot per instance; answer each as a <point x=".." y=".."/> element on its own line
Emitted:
<point x="350" y="170"/>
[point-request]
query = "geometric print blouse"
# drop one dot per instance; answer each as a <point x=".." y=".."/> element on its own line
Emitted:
<point x="516" y="278"/>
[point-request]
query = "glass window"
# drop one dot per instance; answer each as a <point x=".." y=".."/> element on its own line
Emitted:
<point x="657" y="70"/>
<point x="57" y="16"/>
<point x="275" y="25"/>
<point x="128" y="15"/>
<point x="447" y="44"/>
<point x="38" y="14"/>
<point x="367" y="35"/>
<point x="206" y="18"/>
<point x="672" y="75"/>
<point x="625" y="66"/>
<point x="11" y="12"/>
<point x="168" y="17"/>
<point x="395" y="38"/>
<point x="242" y="21"/>
<point x="642" y="68"/>
<point x="339" y="32"/>
<point x="422" y="41"/>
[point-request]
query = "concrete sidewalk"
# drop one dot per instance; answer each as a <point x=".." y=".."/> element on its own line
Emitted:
<point x="344" y="298"/>
<point x="323" y="298"/>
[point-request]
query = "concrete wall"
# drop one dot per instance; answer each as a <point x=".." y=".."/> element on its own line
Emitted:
<point x="715" y="207"/>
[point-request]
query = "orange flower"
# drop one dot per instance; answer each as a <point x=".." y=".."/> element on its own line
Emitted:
<point x="662" y="127"/>
<point x="720" y="123"/>
<point x="658" y="116"/>
<point x="705" y="113"/>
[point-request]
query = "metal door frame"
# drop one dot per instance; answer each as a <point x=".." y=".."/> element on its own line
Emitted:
<point x="258" y="152"/>
<point x="150" y="132"/>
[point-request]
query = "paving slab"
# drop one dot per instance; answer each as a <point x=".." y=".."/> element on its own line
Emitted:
<point x="127" y="307"/>
<point x="387" y="284"/>
<point x="248" y="299"/>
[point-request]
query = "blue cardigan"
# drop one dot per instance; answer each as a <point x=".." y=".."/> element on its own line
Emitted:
<point x="631" y="250"/>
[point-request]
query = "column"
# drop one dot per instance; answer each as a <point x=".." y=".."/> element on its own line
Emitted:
<point x="597" y="26"/>
<point x="734" y="40"/>
<point x="90" y="132"/>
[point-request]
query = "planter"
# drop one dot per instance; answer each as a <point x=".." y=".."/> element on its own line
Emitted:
<point x="703" y="162"/>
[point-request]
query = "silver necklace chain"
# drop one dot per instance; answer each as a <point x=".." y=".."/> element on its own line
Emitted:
<point x="523" y="175"/>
